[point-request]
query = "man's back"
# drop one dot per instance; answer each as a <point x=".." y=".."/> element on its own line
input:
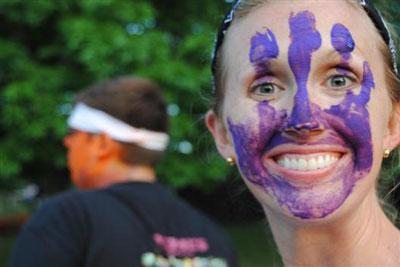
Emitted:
<point x="118" y="135"/>
<point x="128" y="224"/>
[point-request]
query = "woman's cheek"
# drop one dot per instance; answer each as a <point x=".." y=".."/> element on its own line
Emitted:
<point x="251" y="138"/>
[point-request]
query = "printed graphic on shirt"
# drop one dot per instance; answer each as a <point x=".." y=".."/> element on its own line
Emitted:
<point x="181" y="252"/>
<point x="150" y="259"/>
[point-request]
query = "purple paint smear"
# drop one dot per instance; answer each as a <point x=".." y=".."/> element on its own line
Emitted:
<point x="353" y="112"/>
<point x="342" y="41"/>
<point x="353" y="108"/>
<point x="305" y="40"/>
<point x="345" y="125"/>
<point x="263" y="48"/>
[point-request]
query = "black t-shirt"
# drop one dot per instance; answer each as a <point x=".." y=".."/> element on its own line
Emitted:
<point x="130" y="224"/>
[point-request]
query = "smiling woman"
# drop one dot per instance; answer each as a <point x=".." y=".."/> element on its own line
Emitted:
<point x="307" y="102"/>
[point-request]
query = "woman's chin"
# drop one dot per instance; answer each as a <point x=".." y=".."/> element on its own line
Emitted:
<point x="311" y="195"/>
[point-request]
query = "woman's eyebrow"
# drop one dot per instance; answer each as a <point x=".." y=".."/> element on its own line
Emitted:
<point x="330" y="53"/>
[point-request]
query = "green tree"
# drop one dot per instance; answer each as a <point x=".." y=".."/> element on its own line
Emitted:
<point x="51" y="49"/>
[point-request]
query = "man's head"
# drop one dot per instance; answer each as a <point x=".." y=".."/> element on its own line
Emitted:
<point x="136" y="104"/>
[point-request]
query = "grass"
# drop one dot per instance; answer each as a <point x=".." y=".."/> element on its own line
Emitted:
<point x="6" y="244"/>
<point x="254" y="244"/>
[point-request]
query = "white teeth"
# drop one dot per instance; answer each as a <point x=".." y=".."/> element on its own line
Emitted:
<point x="307" y="164"/>
<point x="303" y="165"/>
<point x="286" y="162"/>
<point x="294" y="164"/>
<point x="312" y="164"/>
<point x="321" y="161"/>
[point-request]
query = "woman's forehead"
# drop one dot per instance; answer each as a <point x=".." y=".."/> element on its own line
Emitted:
<point x="275" y="16"/>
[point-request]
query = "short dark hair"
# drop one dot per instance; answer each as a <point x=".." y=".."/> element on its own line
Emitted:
<point x="135" y="101"/>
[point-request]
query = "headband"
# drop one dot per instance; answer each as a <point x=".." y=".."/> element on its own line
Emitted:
<point x="367" y="5"/>
<point x="87" y="119"/>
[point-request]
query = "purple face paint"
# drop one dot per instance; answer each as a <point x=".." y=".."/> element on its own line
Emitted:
<point x="342" y="41"/>
<point x="353" y="108"/>
<point x="353" y="112"/>
<point x="345" y="125"/>
<point x="263" y="48"/>
<point x="250" y="142"/>
<point x="305" y="40"/>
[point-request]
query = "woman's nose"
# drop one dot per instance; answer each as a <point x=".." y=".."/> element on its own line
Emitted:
<point x="303" y="118"/>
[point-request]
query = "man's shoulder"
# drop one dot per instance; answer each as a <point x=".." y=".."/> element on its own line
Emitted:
<point x="76" y="201"/>
<point x="57" y="208"/>
<point x="72" y="199"/>
<point x="76" y="198"/>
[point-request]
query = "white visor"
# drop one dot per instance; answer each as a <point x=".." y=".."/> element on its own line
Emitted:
<point x="87" y="119"/>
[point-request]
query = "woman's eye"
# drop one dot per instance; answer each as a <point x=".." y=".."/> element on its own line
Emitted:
<point x="340" y="81"/>
<point x="264" y="89"/>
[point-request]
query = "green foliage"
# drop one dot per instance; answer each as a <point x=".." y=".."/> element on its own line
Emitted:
<point x="51" y="49"/>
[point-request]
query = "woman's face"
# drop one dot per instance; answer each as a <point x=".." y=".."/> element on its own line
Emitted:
<point x="306" y="108"/>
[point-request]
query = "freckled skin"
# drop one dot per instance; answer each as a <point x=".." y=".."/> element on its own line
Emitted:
<point x="345" y="124"/>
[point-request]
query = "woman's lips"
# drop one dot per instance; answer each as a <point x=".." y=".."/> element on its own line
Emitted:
<point x="305" y="165"/>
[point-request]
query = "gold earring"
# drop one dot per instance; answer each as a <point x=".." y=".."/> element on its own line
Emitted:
<point x="231" y="161"/>
<point x="386" y="153"/>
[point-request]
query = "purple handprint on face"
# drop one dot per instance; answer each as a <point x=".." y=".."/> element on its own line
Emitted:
<point x="267" y="155"/>
<point x="353" y="110"/>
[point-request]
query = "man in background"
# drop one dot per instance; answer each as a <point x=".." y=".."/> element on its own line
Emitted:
<point x="121" y="216"/>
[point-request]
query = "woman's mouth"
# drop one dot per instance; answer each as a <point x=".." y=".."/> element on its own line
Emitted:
<point x="307" y="162"/>
<point x="305" y="165"/>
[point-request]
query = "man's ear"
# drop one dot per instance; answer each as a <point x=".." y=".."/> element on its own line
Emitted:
<point x="392" y="138"/>
<point x="220" y="134"/>
<point x="106" y="147"/>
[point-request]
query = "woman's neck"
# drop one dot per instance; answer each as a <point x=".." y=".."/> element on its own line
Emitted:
<point x="364" y="238"/>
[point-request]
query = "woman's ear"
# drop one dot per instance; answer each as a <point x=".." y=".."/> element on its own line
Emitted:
<point x="392" y="138"/>
<point x="220" y="134"/>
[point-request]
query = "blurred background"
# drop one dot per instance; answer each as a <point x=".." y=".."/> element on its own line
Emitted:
<point x="51" y="49"/>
